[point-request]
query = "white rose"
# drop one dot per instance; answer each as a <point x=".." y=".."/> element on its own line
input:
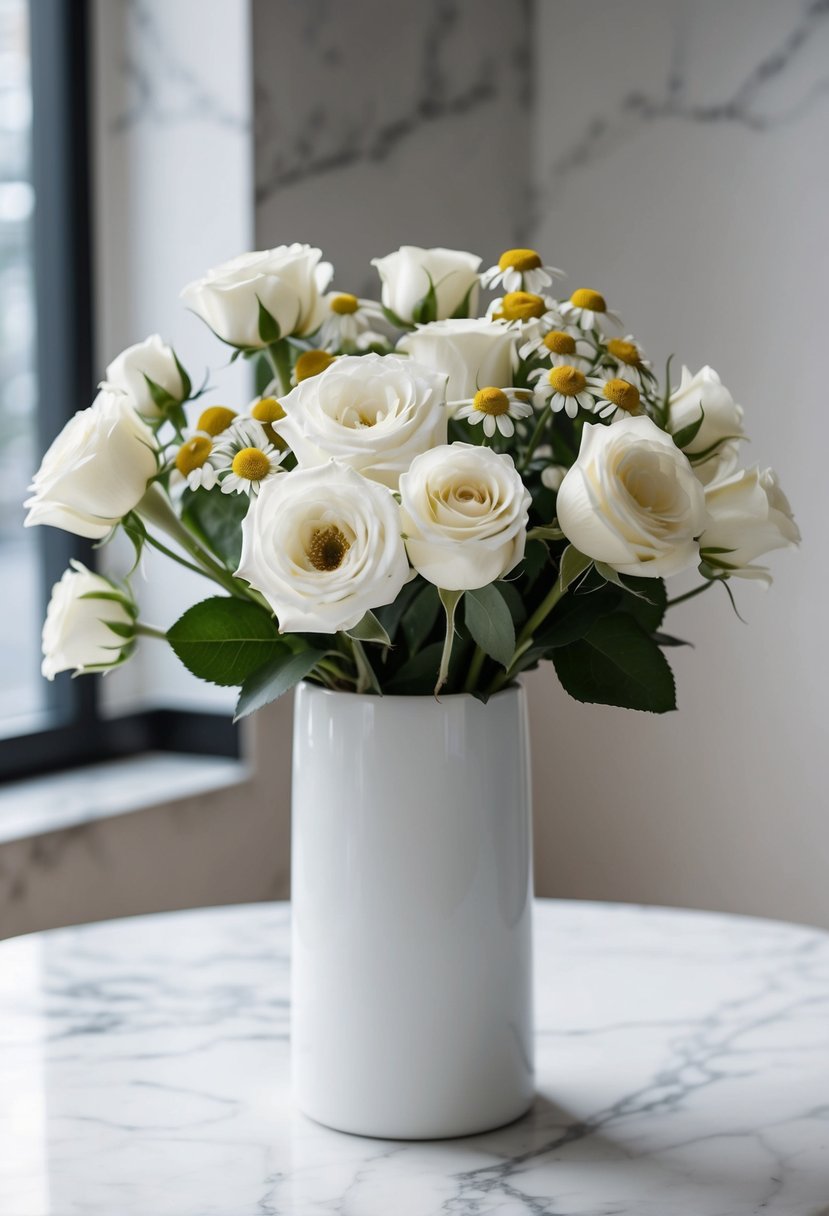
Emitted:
<point x="474" y="353"/>
<point x="75" y="634"/>
<point x="748" y="515"/>
<point x="408" y="274"/>
<point x="465" y="512"/>
<point x="150" y="359"/>
<point x="154" y="359"/>
<point x="287" y="281"/>
<point x="324" y="547"/>
<point x="374" y="413"/>
<point x="723" y="420"/>
<point x="631" y="500"/>
<point x="96" y="470"/>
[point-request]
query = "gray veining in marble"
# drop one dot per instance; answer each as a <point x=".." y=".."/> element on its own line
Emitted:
<point x="164" y="84"/>
<point x="683" y="1068"/>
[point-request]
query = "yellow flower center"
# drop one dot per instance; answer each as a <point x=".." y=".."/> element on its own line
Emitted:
<point x="193" y="454"/>
<point x="268" y="409"/>
<point x="344" y="305"/>
<point x="624" y="351"/>
<point x="215" y="419"/>
<point x="519" y="259"/>
<point x="568" y="381"/>
<point x="584" y="297"/>
<point x="328" y="547"/>
<point x="251" y="464"/>
<point x="560" y="343"/>
<point x="491" y="401"/>
<point x="311" y="363"/>
<point x="521" y="306"/>
<point x="623" y="394"/>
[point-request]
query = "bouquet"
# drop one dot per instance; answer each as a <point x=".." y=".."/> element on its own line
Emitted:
<point x="426" y="494"/>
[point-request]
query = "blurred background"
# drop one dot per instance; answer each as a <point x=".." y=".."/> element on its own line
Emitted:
<point x="670" y="153"/>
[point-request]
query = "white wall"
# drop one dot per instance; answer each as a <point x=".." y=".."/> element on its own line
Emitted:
<point x="680" y="153"/>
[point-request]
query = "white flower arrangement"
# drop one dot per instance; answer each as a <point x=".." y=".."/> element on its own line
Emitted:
<point x="407" y="512"/>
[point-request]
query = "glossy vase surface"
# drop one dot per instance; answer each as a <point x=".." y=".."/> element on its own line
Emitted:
<point x="411" y="905"/>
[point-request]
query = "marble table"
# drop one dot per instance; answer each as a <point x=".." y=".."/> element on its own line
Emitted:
<point x="683" y="1068"/>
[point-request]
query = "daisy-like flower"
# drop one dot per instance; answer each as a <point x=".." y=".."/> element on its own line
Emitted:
<point x="520" y="307"/>
<point x="614" y="397"/>
<point x="520" y="270"/>
<point x="587" y="309"/>
<point x="245" y="458"/>
<point x="497" y="408"/>
<point x="627" y="359"/>
<point x="311" y="363"/>
<point x="214" y="420"/>
<point x="346" y="319"/>
<point x="196" y="462"/>
<point x="565" y="388"/>
<point x="267" y="411"/>
<point x="558" y="345"/>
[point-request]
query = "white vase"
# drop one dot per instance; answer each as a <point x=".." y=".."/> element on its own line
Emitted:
<point x="412" y="897"/>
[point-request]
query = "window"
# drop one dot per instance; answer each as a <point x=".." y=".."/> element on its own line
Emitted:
<point x="46" y="373"/>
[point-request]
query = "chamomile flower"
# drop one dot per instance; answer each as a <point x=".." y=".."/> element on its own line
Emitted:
<point x="245" y="458"/>
<point x="520" y="307"/>
<point x="214" y="420"/>
<point x="311" y="363"/>
<point x="195" y="461"/>
<point x="267" y="411"/>
<point x="587" y="309"/>
<point x="559" y="345"/>
<point x="497" y="408"/>
<point x="614" y="397"/>
<point x="520" y="270"/>
<point x="346" y="319"/>
<point x="626" y="357"/>
<point x="565" y="388"/>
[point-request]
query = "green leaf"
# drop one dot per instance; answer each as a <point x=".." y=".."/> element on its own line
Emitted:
<point x="573" y="616"/>
<point x="217" y="519"/>
<point x="450" y="601"/>
<point x="268" y="683"/>
<point x="369" y="629"/>
<point x="417" y="675"/>
<point x="268" y="325"/>
<point x="463" y="308"/>
<point x="390" y="615"/>
<point x="489" y="621"/>
<point x="616" y="663"/>
<point x="418" y="620"/>
<point x="394" y="320"/>
<point x="162" y="400"/>
<point x="646" y="600"/>
<point x="572" y="565"/>
<point x="687" y="434"/>
<point x="186" y="383"/>
<point x="426" y="310"/>
<point x="515" y="601"/>
<point x="223" y="640"/>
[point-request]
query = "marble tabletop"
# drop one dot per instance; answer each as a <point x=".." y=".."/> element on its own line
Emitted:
<point x="683" y="1068"/>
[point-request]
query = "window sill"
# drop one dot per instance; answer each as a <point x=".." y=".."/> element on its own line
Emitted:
<point x="79" y="796"/>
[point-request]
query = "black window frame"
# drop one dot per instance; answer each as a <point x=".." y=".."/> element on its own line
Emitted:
<point x="60" y="39"/>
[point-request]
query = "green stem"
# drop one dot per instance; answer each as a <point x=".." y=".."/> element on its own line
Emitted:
<point x="541" y="613"/>
<point x="279" y="357"/>
<point x="474" y="670"/>
<point x="155" y="508"/>
<point x="366" y="679"/>
<point x="536" y="436"/>
<point x="689" y="595"/>
<point x="150" y="631"/>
